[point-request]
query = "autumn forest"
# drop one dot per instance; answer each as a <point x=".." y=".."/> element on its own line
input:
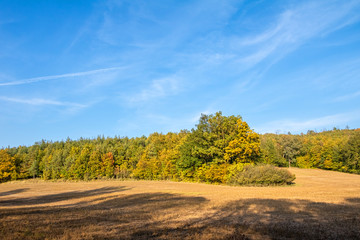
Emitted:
<point x="220" y="149"/>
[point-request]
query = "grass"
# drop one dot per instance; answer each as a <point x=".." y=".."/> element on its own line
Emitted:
<point x="321" y="205"/>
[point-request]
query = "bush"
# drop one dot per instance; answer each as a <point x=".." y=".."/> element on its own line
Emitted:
<point x="212" y="173"/>
<point x="263" y="175"/>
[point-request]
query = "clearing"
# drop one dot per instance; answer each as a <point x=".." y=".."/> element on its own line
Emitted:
<point x="321" y="205"/>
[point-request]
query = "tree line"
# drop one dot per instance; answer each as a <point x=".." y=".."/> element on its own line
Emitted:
<point x="337" y="150"/>
<point x="216" y="150"/>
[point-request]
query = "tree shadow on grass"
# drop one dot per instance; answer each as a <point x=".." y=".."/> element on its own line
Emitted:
<point x="20" y="190"/>
<point x="353" y="200"/>
<point x="267" y="219"/>
<point x="294" y="219"/>
<point x="52" y="198"/>
<point x="174" y="216"/>
<point x="104" y="217"/>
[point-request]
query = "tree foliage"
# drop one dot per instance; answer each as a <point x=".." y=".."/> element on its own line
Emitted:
<point x="245" y="147"/>
<point x="337" y="150"/>
<point x="217" y="140"/>
<point x="218" y="148"/>
<point x="7" y="166"/>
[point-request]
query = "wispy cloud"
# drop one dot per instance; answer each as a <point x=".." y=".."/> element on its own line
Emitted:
<point x="334" y="74"/>
<point x="160" y="122"/>
<point x="54" y="77"/>
<point x="40" y="101"/>
<point x="347" y="97"/>
<point x="80" y="33"/>
<point x="295" y="26"/>
<point x="158" y="88"/>
<point x="175" y="123"/>
<point x="296" y="126"/>
<point x="195" y="117"/>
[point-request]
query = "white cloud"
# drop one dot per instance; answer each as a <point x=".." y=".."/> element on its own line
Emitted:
<point x="195" y="118"/>
<point x="297" y="126"/>
<point x="53" y="77"/>
<point x="294" y="27"/>
<point x="158" y="88"/>
<point x="347" y="97"/>
<point x="344" y="74"/>
<point x="40" y="101"/>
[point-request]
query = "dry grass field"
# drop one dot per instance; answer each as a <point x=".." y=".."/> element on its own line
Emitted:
<point x="321" y="205"/>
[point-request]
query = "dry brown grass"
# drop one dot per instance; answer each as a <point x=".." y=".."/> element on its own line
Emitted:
<point x="321" y="205"/>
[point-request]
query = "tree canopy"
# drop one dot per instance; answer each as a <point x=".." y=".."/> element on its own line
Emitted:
<point x="213" y="151"/>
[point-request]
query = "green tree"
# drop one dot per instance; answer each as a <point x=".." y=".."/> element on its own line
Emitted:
<point x="80" y="167"/>
<point x="291" y="146"/>
<point x="270" y="151"/>
<point x="351" y="153"/>
<point x="217" y="139"/>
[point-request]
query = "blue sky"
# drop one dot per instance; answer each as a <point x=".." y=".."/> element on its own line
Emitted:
<point x="129" y="68"/>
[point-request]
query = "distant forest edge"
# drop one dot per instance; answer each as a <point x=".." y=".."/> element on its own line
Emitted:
<point x="219" y="149"/>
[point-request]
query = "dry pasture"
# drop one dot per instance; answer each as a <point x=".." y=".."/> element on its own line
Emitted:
<point x="321" y="205"/>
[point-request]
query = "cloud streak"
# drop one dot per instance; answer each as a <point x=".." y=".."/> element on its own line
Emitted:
<point x="347" y="97"/>
<point x="54" y="77"/>
<point x="40" y="102"/>
<point x="158" y="88"/>
<point x="298" y="126"/>
<point x="294" y="27"/>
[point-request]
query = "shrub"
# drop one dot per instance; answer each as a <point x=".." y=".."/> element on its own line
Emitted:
<point x="263" y="175"/>
<point x="212" y="173"/>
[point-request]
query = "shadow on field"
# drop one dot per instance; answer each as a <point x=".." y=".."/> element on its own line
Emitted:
<point x="114" y="217"/>
<point x="51" y="198"/>
<point x="353" y="200"/>
<point x="294" y="219"/>
<point x="174" y="216"/>
<point x="268" y="218"/>
<point x="20" y="190"/>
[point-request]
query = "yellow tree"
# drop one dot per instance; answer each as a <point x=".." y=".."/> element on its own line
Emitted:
<point x="108" y="164"/>
<point x="94" y="165"/>
<point x="7" y="166"/>
<point x="245" y="148"/>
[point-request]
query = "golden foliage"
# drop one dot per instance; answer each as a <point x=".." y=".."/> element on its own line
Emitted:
<point x="7" y="166"/>
<point x="245" y="148"/>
